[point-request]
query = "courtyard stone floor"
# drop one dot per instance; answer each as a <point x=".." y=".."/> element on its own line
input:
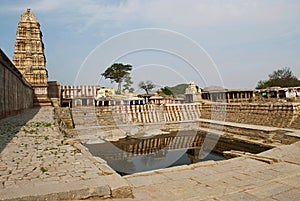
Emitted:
<point x="38" y="163"/>
<point x="235" y="179"/>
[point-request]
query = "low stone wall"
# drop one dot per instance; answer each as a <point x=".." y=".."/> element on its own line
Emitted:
<point x="16" y="94"/>
<point x="64" y="120"/>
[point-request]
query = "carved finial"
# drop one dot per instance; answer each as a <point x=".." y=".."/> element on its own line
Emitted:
<point x="28" y="10"/>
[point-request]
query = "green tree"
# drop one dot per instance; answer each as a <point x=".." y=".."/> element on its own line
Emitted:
<point x="147" y="86"/>
<point x="282" y="78"/>
<point x="127" y="83"/>
<point x="116" y="73"/>
<point x="167" y="91"/>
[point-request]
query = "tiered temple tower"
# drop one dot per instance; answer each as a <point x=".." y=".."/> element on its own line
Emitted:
<point x="29" y="57"/>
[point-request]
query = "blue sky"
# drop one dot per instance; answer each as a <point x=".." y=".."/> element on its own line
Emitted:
<point x="231" y="43"/>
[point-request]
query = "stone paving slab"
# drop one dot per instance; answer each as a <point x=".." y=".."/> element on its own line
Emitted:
<point x="240" y="178"/>
<point x="57" y="191"/>
<point x="38" y="163"/>
<point x="284" y="153"/>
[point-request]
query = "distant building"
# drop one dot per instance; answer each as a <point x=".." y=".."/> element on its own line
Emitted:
<point x="107" y="97"/>
<point x="289" y="93"/>
<point x="77" y="96"/>
<point x="228" y="95"/>
<point x="192" y="93"/>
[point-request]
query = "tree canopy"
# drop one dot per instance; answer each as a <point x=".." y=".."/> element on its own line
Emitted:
<point x="282" y="78"/>
<point x="127" y="83"/>
<point x="116" y="73"/>
<point x="147" y="86"/>
<point x="176" y="90"/>
<point x="167" y="91"/>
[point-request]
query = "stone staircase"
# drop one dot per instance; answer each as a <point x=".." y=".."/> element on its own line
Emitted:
<point x="108" y="117"/>
<point x="42" y="101"/>
<point x="84" y="117"/>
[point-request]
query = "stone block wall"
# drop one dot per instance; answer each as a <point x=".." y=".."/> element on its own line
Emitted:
<point x="123" y="114"/>
<point x="54" y="93"/>
<point x="64" y="120"/>
<point x="284" y="115"/>
<point x="16" y="94"/>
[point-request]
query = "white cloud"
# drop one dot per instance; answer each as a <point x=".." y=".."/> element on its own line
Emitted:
<point x="190" y="10"/>
<point x="195" y="13"/>
<point x="190" y="13"/>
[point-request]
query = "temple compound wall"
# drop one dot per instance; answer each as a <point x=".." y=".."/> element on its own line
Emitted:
<point x="16" y="94"/>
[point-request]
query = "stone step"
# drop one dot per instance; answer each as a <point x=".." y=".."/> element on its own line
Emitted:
<point x="112" y="185"/>
<point x="84" y="116"/>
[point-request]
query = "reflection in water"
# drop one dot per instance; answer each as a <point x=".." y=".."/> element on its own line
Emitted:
<point x="131" y="155"/>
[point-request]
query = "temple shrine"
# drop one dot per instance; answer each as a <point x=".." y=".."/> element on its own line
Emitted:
<point x="29" y="57"/>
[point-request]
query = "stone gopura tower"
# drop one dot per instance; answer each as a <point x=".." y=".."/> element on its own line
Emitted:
<point x="29" y="57"/>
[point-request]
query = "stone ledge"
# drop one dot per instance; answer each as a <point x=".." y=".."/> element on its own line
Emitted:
<point x="118" y="186"/>
<point x="234" y="153"/>
<point x="54" y="191"/>
<point x="108" y="186"/>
